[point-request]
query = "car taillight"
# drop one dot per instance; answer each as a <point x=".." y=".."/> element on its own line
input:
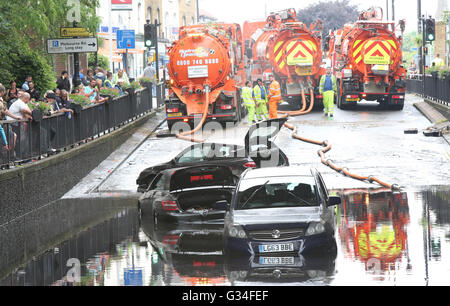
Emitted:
<point x="352" y="97"/>
<point x="172" y="110"/>
<point x="169" y="205"/>
<point x="171" y="239"/>
<point x="250" y="165"/>
<point x="398" y="97"/>
<point x="226" y="107"/>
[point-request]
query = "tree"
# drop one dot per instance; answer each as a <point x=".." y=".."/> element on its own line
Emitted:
<point x="25" y="26"/>
<point x="102" y="61"/>
<point x="334" y="14"/>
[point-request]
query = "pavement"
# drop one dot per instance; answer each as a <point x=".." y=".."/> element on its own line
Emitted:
<point x="436" y="117"/>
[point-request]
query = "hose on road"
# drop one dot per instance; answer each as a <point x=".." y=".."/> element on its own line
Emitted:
<point x="328" y="162"/>
<point x="184" y="135"/>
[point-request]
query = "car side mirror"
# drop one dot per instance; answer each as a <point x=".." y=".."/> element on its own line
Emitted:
<point x="333" y="201"/>
<point x="222" y="205"/>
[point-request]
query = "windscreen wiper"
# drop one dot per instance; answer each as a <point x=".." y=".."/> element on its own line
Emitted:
<point x="253" y="194"/>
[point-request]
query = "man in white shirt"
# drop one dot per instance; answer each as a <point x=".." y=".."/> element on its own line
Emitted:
<point x="20" y="108"/>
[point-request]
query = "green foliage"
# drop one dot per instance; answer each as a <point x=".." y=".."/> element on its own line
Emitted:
<point x="134" y="85"/>
<point x="443" y="72"/>
<point x="80" y="100"/>
<point x="102" y="61"/>
<point x="109" y="92"/>
<point x="25" y="26"/>
<point x="334" y="14"/>
<point x="43" y="106"/>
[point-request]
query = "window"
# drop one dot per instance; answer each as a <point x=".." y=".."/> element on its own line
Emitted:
<point x="150" y="14"/>
<point x="184" y="21"/>
<point x="157" y="183"/>
<point x="277" y="192"/>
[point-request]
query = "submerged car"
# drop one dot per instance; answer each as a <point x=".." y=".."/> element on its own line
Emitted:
<point x="258" y="152"/>
<point x="189" y="194"/>
<point x="283" y="210"/>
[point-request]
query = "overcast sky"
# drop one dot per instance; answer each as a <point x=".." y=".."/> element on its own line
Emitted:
<point x="241" y="10"/>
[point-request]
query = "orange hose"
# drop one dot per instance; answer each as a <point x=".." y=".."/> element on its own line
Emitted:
<point x="329" y="163"/>
<point x="302" y="110"/>
<point x="184" y="135"/>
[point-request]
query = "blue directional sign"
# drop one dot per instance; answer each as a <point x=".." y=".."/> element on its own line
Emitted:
<point x="126" y="39"/>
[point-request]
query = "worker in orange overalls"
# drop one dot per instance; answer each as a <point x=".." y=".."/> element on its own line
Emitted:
<point x="274" y="97"/>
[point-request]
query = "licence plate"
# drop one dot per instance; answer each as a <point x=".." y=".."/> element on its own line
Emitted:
<point x="276" y="261"/>
<point x="274" y="248"/>
<point x="352" y="99"/>
<point x="303" y="70"/>
<point x="174" y="115"/>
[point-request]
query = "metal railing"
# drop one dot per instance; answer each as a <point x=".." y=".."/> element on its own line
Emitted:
<point x="436" y="89"/>
<point x="30" y="140"/>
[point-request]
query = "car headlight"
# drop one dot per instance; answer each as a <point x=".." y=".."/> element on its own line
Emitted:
<point x="315" y="228"/>
<point x="236" y="231"/>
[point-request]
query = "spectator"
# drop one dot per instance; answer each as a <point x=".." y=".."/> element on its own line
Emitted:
<point x="3" y="108"/>
<point x="90" y="75"/>
<point x="57" y="93"/>
<point x="91" y="91"/>
<point x="28" y="79"/>
<point x="62" y="105"/>
<point x="63" y="82"/>
<point x="19" y="109"/>
<point x="119" y="86"/>
<point x="13" y="91"/>
<point x="99" y="74"/>
<point x="34" y="93"/>
<point x="438" y="61"/>
<point x="98" y="86"/>
<point x="108" y="81"/>
<point x="3" y="113"/>
<point x="121" y="75"/>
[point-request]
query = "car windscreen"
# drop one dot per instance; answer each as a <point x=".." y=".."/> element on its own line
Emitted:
<point x="277" y="192"/>
<point x="205" y="152"/>
<point x="202" y="176"/>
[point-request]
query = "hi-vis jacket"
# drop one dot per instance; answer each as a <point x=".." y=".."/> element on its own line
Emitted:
<point x="322" y="83"/>
<point x="247" y="96"/>
<point x="275" y="91"/>
<point x="257" y="94"/>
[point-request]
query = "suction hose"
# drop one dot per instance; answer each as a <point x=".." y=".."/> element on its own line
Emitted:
<point x="302" y="111"/>
<point x="330" y="163"/>
<point x="184" y="135"/>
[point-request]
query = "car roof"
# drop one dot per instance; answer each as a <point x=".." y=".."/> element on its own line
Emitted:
<point x="278" y="172"/>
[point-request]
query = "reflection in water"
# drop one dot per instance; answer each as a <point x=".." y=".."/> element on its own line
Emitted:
<point x="383" y="237"/>
<point x="373" y="228"/>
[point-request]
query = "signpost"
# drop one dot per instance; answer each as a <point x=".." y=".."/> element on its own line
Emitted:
<point x="75" y="32"/>
<point x="126" y="39"/>
<point x="72" y="45"/>
<point x="122" y="5"/>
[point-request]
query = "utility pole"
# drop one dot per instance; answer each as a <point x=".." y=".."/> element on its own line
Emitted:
<point x="393" y="10"/>
<point x="76" y="66"/>
<point x="419" y="30"/>
<point x="387" y="10"/>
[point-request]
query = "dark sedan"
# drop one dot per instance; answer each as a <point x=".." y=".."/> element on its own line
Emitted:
<point x="283" y="210"/>
<point x="258" y="152"/>
<point x="189" y="194"/>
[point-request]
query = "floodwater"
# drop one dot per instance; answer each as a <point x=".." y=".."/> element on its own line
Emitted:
<point x="383" y="238"/>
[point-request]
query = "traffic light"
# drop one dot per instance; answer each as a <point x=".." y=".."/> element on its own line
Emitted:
<point x="430" y="29"/>
<point x="150" y="38"/>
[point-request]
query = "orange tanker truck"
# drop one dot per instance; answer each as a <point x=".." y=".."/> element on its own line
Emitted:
<point x="367" y="59"/>
<point x="206" y="67"/>
<point x="292" y="52"/>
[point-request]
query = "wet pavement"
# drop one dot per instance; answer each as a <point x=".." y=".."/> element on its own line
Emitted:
<point x="383" y="238"/>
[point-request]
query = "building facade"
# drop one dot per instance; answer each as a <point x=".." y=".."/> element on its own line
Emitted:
<point x="188" y="12"/>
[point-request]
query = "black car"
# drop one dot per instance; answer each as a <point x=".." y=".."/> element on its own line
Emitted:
<point x="258" y="152"/>
<point x="189" y="194"/>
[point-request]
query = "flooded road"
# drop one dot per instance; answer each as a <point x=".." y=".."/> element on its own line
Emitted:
<point x="94" y="236"/>
<point x="383" y="238"/>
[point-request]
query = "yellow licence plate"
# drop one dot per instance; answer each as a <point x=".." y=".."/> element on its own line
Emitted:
<point x="303" y="70"/>
<point x="174" y="115"/>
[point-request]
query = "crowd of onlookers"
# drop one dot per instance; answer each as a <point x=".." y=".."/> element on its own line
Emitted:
<point x="16" y="102"/>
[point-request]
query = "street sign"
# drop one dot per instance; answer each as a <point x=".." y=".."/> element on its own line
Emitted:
<point x="126" y="39"/>
<point x="75" y="32"/>
<point x="72" y="45"/>
<point x="122" y="5"/>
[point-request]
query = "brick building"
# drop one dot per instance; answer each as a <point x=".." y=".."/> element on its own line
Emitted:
<point x="188" y="12"/>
